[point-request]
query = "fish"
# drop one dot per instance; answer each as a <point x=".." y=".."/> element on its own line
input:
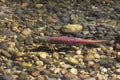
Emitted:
<point x="69" y="40"/>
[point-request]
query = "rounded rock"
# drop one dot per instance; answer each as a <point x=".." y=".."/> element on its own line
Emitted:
<point x="39" y="5"/>
<point x="118" y="71"/>
<point x="43" y="54"/>
<point x="72" y="60"/>
<point x="91" y="78"/>
<point x="39" y="63"/>
<point x="72" y="28"/>
<point x="74" y="71"/>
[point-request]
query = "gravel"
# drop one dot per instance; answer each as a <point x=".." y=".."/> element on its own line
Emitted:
<point x="23" y="57"/>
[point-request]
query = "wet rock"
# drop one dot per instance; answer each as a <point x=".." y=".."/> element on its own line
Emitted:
<point x="18" y="11"/>
<point x="68" y="76"/>
<point x="7" y="33"/>
<point x="118" y="71"/>
<point x="65" y="18"/>
<point x="57" y="27"/>
<point x="72" y="60"/>
<point x="39" y="6"/>
<point x="5" y="53"/>
<point x="27" y="32"/>
<point x="26" y="65"/>
<point x="89" y="57"/>
<point x="64" y="65"/>
<point x="5" y="77"/>
<point x="39" y="63"/>
<point x="117" y="58"/>
<point x="22" y="77"/>
<point x="117" y="46"/>
<point x="56" y="55"/>
<point x="3" y="15"/>
<point x="3" y="45"/>
<point x="91" y="78"/>
<point x="74" y="71"/>
<point x="19" y="54"/>
<point x="72" y="28"/>
<point x="42" y="54"/>
<point x="74" y="19"/>
<point x="107" y="63"/>
<point x="29" y="40"/>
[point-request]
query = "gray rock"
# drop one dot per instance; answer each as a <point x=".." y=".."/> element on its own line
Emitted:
<point x="7" y="33"/>
<point x="29" y="40"/>
<point x="107" y="63"/>
<point x="3" y="45"/>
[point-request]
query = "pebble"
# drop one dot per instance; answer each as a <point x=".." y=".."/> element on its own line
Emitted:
<point x="28" y="60"/>
<point x="78" y="52"/>
<point x="7" y="33"/>
<point x="72" y="28"/>
<point x="97" y="56"/>
<point x="39" y="6"/>
<point x="3" y="45"/>
<point x="35" y="73"/>
<point x="19" y="54"/>
<point x="91" y="78"/>
<point x="6" y="77"/>
<point x="104" y="70"/>
<point x="90" y="63"/>
<point x="27" y="32"/>
<point x="26" y="65"/>
<point x="107" y="63"/>
<point x="43" y="54"/>
<point x="72" y="60"/>
<point x="39" y="63"/>
<point x="117" y="58"/>
<point x="57" y="70"/>
<point x="29" y="40"/>
<point x="118" y="71"/>
<point x="89" y="57"/>
<point x="64" y="65"/>
<point x="56" y="55"/>
<point x="5" y="53"/>
<point x="74" y="71"/>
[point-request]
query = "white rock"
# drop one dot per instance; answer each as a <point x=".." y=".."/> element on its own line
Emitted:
<point x="74" y="71"/>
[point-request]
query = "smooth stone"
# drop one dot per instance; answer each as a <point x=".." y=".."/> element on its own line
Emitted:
<point x="24" y="64"/>
<point x="117" y="71"/>
<point x="7" y="33"/>
<point x="92" y="78"/>
<point x="27" y="32"/>
<point x="72" y="28"/>
<point x="72" y="60"/>
<point x="107" y="63"/>
<point x="56" y="55"/>
<point x="43" y="54"/>
<point x="117" y="58"/>
<point x="5" y="53"/>
<point x="3" y="15"/>
<point x="104" y="70"/>
<point x="6" y="77"/>
<point x="65" y="18"/>
<point x="39" y="63"/>
<point x="74" y="71"/>
<point x="57" y="27"/>
<point x="29" y="40"/>
<point x="19" y="54"/>
<point x="74" y="18"/>
<point x="3" y="45"/>
<point x="39" y="6"/>
<point x="89" y="57"/>
<point x="18" y="11"/>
